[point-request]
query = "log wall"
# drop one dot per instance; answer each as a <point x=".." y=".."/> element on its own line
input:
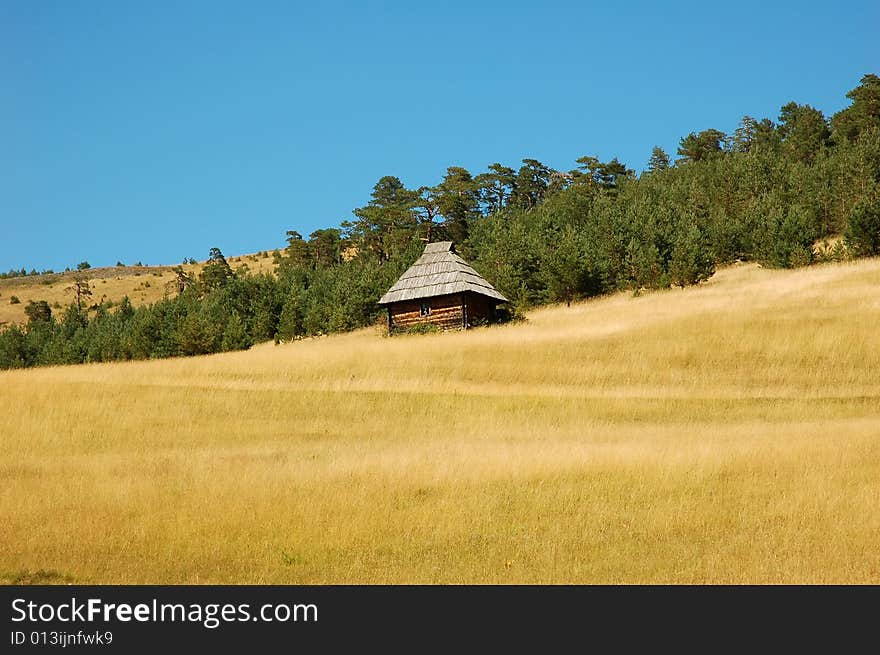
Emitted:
<point x="446" y="311"/>
<point x="452" y="312"/>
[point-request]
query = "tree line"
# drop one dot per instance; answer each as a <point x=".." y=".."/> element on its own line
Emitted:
<point x="785" y="193"/>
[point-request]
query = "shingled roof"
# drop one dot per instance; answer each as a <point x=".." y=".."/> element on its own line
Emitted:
<point x="439" y="272"/>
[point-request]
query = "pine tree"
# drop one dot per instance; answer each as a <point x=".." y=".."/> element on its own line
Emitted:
<point x="38" y="311"/>
<point x="659" y="160"/>
<point x="863" y="114"/>
<point x="862" y="234"/>
<point x="691" y="260"/>
<point x="81" y="290"/>
<point x="697" y="147"/>
<point x="458" y="201"/>
<point x="216" y="272"/>
<point x="804" y="131"/>
<point x="235" y="336"/>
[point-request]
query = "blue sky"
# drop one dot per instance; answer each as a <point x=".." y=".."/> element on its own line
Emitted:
<point x="155" y="130"/>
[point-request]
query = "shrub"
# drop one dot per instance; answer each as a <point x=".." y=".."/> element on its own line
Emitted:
<point x="800" y="256"/>
<point x="828" y="252"/>
<point x="13" y="300"/>
<point x="508" y="314"/>
<point x="421" y="328"/>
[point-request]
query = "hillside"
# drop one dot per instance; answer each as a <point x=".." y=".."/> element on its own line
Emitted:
<point x="726" y="433"/>
<point x="142" y="284"/>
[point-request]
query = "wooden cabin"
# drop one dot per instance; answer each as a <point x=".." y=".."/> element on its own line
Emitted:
<point x="441" y="289"/>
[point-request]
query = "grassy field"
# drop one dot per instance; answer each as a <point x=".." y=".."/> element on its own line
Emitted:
<point x="142" y="285"/>
<point x="723" y="434"/>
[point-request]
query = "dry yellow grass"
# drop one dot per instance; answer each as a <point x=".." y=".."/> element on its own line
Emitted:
<point x="142" y="285"/>
<point x="722" y="434"/>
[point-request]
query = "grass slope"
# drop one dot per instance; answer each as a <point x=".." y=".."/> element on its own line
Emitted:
<point x="727" y="433"/>
<point x="142" y="284"/>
